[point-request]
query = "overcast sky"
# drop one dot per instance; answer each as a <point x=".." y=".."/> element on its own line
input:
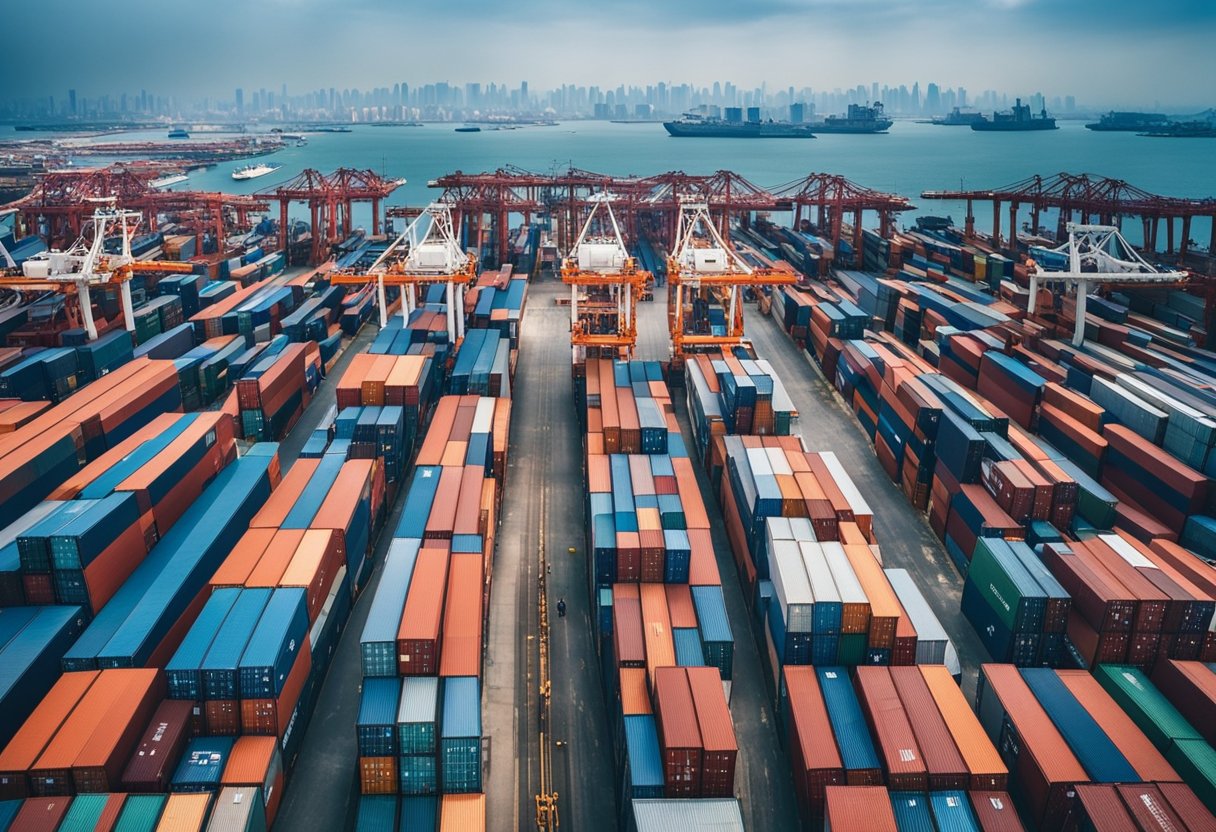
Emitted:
<point x="1106" y="52"/>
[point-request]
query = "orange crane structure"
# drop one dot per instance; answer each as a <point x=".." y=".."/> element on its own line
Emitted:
<point x="835" y="197"/>
<point x="1086" y="198"/>
<point x="86" y="265"/>
<point x="427" y="252"/>
<point x="703" y="268"/>
<point x="605" y="285"/>
<point x="63" y="202"/>
<point x="330" y="200"/>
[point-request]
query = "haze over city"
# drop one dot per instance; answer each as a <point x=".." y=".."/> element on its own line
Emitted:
<point x="1106" y="53"/>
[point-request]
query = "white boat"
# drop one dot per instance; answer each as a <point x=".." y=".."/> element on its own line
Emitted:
<point x="168" y="181"/>
<point x="254" y="171"/>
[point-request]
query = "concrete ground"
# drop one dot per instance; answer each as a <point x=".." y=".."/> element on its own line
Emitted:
<point x="906" y="541"/>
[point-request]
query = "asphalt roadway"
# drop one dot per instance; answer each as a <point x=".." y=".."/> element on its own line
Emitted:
<point x="544" y="490"/>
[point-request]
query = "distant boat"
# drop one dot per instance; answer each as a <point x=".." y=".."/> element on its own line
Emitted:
<point x="1018" y="120"/>
<point x="692" y="125"/>
<point x="957" y="118"/>
<point x="1129" y="122"/>
<point x="331" y="129"/>
<point x="301" y="142"/>
<point x="857" y="119"/>
<point x="178" y="133"/>
<point x="254" y="171"/>
<point x="167" y="181"/>
<point x="468" y="129"/>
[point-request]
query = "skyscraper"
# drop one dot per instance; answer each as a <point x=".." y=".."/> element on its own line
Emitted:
<point x="72" y="102"/>
<point x="240" y="102"/>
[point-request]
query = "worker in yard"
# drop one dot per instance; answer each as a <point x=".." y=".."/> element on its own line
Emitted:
<point x="561" y="607"/>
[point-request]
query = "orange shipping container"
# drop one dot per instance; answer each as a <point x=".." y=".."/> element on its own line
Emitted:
<point x="283" y="498"/>
<point x="39" y="729"/>
<point x="274" y="560"/>
<point x="462" y="813"/>
<point x="235" y="569"/>
<point x="984" y="764"/>
<point x="656" y="627"/>
<point x="184" y="813"/>
<point x="255" y="761"/>
<point x="460" y="654"/>
<point x="418" y="635"/>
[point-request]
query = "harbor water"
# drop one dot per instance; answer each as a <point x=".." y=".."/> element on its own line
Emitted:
<point x="911" y="158"/>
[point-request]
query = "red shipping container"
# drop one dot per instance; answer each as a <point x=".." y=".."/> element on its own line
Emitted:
<point x="1187" y="806"/>
<point x="628" y="640"/>
<point x="1100" y="807"/>
<point x="628" y="556"/>
<point x="943" y="763"/>
<point x="995" y="812"/>
<point x="418" y="636"/>
<point x="152" y="765"/>
<point x="902" y="761"/>
<point x="1191" y="688"/>
<point x="41" y="814"/>
<point x="679" y="734"/>
<point x="222" y="717"/>
<point x="720" y="749"/>
<point x="815" y="761"/>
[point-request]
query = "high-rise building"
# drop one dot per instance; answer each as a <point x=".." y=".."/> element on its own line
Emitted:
<point x="240" y="102"/>
<point x="72" y="102"/>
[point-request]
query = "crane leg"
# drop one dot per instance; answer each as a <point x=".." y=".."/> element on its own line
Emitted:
<point x="1034" y="295"/>
<point x="128" y="312"/>
<point x="383" y="302"/>
<point x="86" y="309"/>
<point x="1078" y="334"/>
<point x="451" y="296"/>
<point x="460" y="311"/>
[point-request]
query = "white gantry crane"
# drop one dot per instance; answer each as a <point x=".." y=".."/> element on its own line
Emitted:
<point x="702" y="263"/>
<point x="426" y="252"/>
<point x="86" y="264"/>
<point x="1093" y="255"/>
<point x="600" y="263"/>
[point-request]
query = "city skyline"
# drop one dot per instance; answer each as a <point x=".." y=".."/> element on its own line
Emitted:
<point x="1109" y="53"/>
<point x="447" y="101"/>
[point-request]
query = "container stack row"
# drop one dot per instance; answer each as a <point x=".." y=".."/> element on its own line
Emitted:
<point x="663" y="635"/>
<point x="734" y="394"/>
<point x="419" y="728"/>
<point x="1061" y="731"/>
<point x="497" y="301"/>
<point x="908" y="729"/>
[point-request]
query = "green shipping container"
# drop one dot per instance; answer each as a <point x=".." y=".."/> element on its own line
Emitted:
<point x="1195" y="762"/>
<point x="852" y="649"/>
<point x="1148" y="708"/>
<point x="140" y="813"/>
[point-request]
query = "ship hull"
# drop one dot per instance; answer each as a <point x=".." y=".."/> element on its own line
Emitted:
<point x="741" y="132"/>
<point x="1013" y="127"/>
<point x="877" y="127"/>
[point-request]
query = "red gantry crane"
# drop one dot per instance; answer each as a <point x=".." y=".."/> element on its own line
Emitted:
<point x="703" y="268"/>
<point x="86" y="264"/>
<point x="605" y="284"/>
<point x="426" y="252"/>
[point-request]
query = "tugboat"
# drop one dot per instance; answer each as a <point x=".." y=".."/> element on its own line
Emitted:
<point x="1019" y="119"/>
<point x="858" y="119"/>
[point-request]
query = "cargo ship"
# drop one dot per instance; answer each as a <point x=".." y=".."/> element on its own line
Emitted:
<point x="1128" y="122"/>
<point x="254" y="171"/>
<point x="167" y="181"/>
<point x="695" y="126"/>
<point x="468" y="129"/>
<point x="179" y="133"/>
<point x="957" y="118"/>
<point x="1018" y="119"/>
<point x="858" y="118"/>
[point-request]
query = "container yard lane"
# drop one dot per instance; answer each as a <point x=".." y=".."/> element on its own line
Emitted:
<point x="907" y="541"/>
<point x="762" y="780"/>
<point x="545" y="458"/>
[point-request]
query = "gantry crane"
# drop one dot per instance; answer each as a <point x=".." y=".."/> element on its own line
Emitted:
<point x="600" y="264"/>
<point x="704" y="267"/>
<point x="86" y="264"/>
<point x="1095" y="255"/>
<point x="426" y="252"/>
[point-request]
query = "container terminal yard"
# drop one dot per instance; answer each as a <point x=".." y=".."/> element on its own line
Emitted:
<point x="594" y="502"/>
